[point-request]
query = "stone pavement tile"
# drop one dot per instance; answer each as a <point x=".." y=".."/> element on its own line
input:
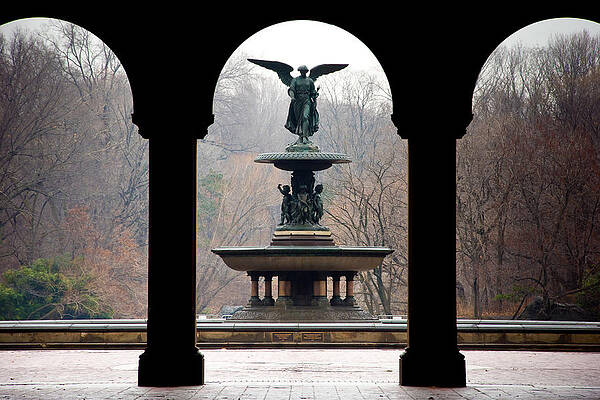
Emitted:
<point x="113" y="392"/>
<point x="92" y="390"/>
<point x="531" y="392"/>
<point x="208" y="391"/>
<point x="278" y="392"/>
<point x="497" y="393"/>
<point x="310" y="392"/>
<point x="472" y="392"/>
<point x="504" y="391"/>
<point x="347" y="391"/>
<point x="427" y="393"/>
<point x="175" y="393"/>
<point x="392" y="395"/>
<point x="371" y="392"/>
<point x="563" y="392"/>
<point x="131" y="391"/>
<point x="254" y="392"/>
<point x="230" y="392"/>
<point x="72" y="392"/>
<point x="394" y="391"/>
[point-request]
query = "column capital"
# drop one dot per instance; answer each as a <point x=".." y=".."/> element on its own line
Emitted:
<point x="336" y="275"/>
<point x="350" y="275"/>
<point x="268" y="276"/>
<point x="151" y="123"/>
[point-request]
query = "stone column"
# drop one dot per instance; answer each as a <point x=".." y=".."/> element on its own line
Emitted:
<point x="349" y="300"/>
<point x="336" y="299"/>
<point x="432" y="357"/>
<point x="268" y="299"/>
<point x="254" y="299"/>
<point x="284" y="289"/>
<point x="319" y="291"/>
<point x="171" y="357"/>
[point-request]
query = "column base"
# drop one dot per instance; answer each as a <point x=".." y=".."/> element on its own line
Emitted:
<point x="427" y="368"/>
<point x="319" y="301"/>
<point x="336" y="301"/>
<point x="171" y="368"/>
<point x="284" y="301"/>
<point x="267" y="301"/>
<point x="254" y="301"/>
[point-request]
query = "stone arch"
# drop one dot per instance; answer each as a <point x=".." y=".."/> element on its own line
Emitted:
<point x="88" y="115"/>
<point x="463" y="40"/>
<point x="325" y="43"/>
<point x="534" y="33"/>
<point x="35" y="23"/>
<point x="256" y="47"/>
<point x="504" y="137"/>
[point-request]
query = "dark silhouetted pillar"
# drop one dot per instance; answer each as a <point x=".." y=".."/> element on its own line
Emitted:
<point x="171" y="357"/>
<point x="432" y="357"/>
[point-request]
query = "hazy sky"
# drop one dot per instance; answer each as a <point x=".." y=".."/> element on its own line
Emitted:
<point x="539" y="33"/>
<point x="31" y="24"/>
<point x="329" y="44"/>
<point x="335" y="45"/>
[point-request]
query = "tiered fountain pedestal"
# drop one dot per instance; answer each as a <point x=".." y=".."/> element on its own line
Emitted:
<point x="302" y="253"/>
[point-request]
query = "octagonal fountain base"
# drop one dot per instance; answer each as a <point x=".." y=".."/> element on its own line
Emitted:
<point x="282" y="313"/>
<point x="302" y="268"/>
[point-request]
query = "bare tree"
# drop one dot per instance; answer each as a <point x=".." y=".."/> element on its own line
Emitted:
<point x="527" y="175"/>
<point x="367" y="199"/>
<point x="37" y="148"/>
<point x="67" y="140"/>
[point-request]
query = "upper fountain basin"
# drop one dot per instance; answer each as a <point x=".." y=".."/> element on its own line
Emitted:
<point x="306" y="160"/>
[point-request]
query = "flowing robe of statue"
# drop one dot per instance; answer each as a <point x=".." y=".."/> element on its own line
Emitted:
<point x="303" y="118"/>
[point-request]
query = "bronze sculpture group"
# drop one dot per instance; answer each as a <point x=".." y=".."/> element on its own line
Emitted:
<point x="301" y="207"/>
<point x="302" y="254"/>
<point x="302" y="203"/>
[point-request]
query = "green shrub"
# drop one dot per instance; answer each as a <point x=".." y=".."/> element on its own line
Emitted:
<point x="49" y="289"/>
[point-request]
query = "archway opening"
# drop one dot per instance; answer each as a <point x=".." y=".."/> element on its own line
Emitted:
<point x="528" y="178"/>
<point x="74" y="184"/>
<point x="365" y="201"/>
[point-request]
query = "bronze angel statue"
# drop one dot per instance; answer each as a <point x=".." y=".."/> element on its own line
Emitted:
<point x="303" y="117"/>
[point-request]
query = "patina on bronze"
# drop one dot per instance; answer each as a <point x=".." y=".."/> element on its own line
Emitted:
<point x="302" y="253"/>
<point x="302" y="206"/>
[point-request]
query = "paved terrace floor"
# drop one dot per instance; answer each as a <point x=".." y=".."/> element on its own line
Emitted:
<point x="330" y="374"/>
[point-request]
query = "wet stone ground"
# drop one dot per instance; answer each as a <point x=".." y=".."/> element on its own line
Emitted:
<point x="343" y="374"/>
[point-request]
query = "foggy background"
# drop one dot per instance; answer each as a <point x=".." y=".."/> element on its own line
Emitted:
<point x="74" y="173"/>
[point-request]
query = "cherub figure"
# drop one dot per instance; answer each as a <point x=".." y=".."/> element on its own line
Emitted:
<point x="286" y="204"/>
<point x="317" y="209"/>
<point x="304" y="208"/>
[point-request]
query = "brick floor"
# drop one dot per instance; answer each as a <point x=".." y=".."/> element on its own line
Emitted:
<point x="342" y="374"/>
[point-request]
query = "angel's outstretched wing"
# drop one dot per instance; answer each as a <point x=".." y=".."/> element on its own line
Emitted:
<point x="282" y="69"/>
<point x="323" y="69"/>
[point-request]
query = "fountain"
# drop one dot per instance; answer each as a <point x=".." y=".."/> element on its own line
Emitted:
<point x="302" y="253"/>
